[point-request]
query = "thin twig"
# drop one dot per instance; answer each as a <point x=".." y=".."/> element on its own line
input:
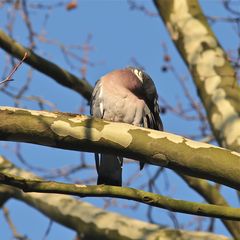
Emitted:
<point x="152" y="199"/>
<point x="11" y="225"/>
<point x="48" y="230"/>
<point x="9" y="77"/>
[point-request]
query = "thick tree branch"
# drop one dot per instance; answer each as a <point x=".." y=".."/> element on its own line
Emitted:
<point x="78" y="132"/>
<point x="152" y="199"/>
<point x="91" y="222"/>
<point x="60" y="75"/>
<point x="211" y="70"/>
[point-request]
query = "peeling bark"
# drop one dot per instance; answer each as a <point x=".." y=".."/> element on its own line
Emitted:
<point x="78" y="132"/>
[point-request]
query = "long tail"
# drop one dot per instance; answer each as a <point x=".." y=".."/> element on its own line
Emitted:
<point x="109" y="169"/>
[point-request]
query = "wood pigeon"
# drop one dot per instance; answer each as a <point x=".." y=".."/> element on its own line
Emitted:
<point x="125" y="95"/>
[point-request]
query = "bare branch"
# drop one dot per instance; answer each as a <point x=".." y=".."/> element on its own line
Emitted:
<point x="152" y="199"/>
<point x="9" y="77"/>
<point x="60" y="75"/>
<point x="12" y="226"/>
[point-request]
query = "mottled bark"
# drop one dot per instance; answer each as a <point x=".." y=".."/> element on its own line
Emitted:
<point x="79" y="132"/>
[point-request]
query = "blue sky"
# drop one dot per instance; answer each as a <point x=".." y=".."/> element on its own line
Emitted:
<point x="118" y="35"/>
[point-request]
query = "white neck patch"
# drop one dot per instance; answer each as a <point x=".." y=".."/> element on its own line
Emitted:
<point x="138" y="73"/>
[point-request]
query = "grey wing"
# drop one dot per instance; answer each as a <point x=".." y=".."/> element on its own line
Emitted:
<point x="95" y="111"/>
<point x="95" y="103"/>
